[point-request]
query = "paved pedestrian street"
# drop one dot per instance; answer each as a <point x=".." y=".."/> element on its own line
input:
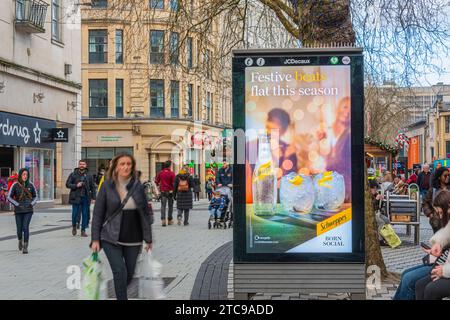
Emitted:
<point x="194" y="258"/>
<point x="42" y="274"/>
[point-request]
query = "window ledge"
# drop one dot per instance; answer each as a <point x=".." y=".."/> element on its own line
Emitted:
<point x="58" y="43"/>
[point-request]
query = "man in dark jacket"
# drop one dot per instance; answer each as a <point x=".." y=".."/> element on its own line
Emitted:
<point x="225" y="176"/>
<point x="424" y="180"/>
<point x="82" y="192"/>
<point x="165" y="180"/>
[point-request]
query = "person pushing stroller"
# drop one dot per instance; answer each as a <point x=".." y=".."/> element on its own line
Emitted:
<point x="218" y="205"/>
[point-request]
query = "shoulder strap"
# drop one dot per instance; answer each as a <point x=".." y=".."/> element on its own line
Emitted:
<point x="122" y="204"/>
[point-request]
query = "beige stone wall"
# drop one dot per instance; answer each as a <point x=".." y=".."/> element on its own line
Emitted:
<point x="33" y="63"/>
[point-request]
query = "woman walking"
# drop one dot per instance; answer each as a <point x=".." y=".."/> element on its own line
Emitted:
<point x="23" y="196"/>
<point x="183" y="194"/>
<point x="440" y="182"/>
<point x="197" y="188"/>
<point x="121" y="221"/>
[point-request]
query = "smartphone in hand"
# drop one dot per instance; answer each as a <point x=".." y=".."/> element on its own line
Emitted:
<point x="425" y="246"/>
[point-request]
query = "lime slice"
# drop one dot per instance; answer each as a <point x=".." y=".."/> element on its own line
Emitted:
<point x="323" y="181"/>
<point x="297" y="181"/>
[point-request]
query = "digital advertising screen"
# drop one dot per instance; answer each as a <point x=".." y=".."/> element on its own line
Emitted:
<point x="302" y="117"/>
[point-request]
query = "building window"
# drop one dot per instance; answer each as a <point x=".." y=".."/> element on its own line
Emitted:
<point x="56" y="20"/>
<point x="199" y="104"/>
<point x="157" y="4"/>
<point x="99" y="3"/>
<point x="157" y="98"/>
<point x="189" y="53"/>
<point x="174" y="99"/>
<point x="98" y="98"/>
<point x="19" y="9"/>
<point x="98" y="158"/>
<point x="208" y="106"/>
<point x="119" y="98"/>
<point x="174" y="5"/>
<point x="189" y="101"/>
<point x="199" y="49"/>
<point x="207" y="63"/>
<point x="98" y="46"/>
<point x="174" y="50"/>
<point x="156" y="47"/>
<point x="119" y="46"/>
<point x="447" y="124"/>
<point x="447" y="148"/>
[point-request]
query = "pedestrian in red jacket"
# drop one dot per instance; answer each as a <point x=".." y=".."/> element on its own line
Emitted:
<point x="12" y="179"/>
<point x="165" y="180"/>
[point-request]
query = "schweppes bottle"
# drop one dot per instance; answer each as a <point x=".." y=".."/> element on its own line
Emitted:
<point x="264" y="180"/>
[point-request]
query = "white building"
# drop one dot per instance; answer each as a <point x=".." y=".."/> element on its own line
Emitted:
<point x="40" y="90"/>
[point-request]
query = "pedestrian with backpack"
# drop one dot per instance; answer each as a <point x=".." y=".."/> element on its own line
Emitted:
<point x="183" y="194"/>
<point x="23" y="196"/>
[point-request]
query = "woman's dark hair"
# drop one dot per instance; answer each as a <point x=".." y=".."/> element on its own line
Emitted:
<point x="437" y="177"/>
<point x="280" y="116"/>
<point x="25" y="183"/>
<point x="112" y="175"/>
<point x="442" y="201"/>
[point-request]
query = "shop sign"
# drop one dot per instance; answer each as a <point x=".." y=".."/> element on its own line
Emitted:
<point x="23" y="131"/>
<point x="109" y="138"/>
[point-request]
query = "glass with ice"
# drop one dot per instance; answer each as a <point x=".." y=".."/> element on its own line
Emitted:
<point x="297" y="193"/>
<point x="330" y="191"/>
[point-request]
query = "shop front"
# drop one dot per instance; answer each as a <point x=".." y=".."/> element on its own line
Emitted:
<point x="24" y="142"/>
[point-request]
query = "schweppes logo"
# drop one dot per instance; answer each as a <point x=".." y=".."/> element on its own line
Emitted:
<point x="334" y="221"/>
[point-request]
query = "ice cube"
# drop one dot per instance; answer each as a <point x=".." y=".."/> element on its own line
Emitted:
<point x="329" y="190"/>
<point x="297" y="193"/>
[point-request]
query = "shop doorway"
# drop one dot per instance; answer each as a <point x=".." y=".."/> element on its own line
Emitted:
<point x="159" y="167"/>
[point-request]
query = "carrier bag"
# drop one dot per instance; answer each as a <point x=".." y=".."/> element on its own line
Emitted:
<point x="93" y="286"/>
<point x="389" y="235"/>
<point x="151" y="285"/>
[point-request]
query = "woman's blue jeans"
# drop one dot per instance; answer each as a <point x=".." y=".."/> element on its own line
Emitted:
<point x="407" y="287"/>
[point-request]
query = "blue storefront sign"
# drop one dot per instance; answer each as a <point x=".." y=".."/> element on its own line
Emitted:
<point x="23" y="131"/>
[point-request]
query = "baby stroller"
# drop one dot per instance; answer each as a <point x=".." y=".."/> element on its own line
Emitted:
<point x="222" y="213"/>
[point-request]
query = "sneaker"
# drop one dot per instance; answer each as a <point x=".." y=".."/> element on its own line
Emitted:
<point x="170" y="222"/>
<point x="83" y="233"/>
<point x="179" y="221"/>
<point x="74" y="231"/>
<point x="163" y="223"/>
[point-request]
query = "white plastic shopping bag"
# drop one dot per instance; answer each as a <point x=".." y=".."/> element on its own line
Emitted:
<point x="151" y="285"/>
<point x="93" y="286"/>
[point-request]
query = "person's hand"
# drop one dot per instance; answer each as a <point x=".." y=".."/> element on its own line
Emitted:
<point x="321" y="134"/>
<point x="79" y="184"/>
<point x="439" y="211"/>
<point x="148" y="247"/>
<point x="437" y="273"/>
<point x="95" y="246"/>
<point x="436" y="250"/>
<point x="219" y="185"/>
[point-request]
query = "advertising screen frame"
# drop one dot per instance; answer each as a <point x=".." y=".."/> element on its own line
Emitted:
<point x="299" y="57"/>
